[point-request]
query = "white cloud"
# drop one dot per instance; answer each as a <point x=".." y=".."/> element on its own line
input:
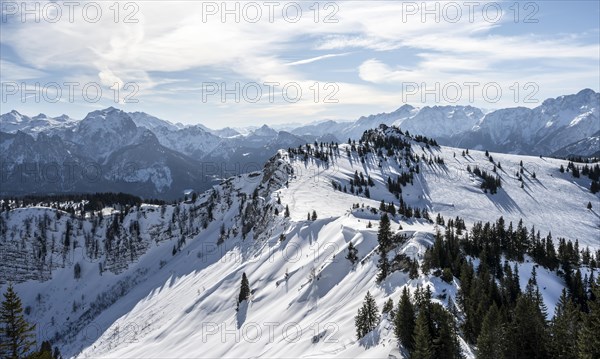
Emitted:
<point x="171" y="39"/>
<point x="317" y="58"/>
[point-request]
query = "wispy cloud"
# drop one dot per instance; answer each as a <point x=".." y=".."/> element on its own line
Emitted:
<point x="317" y="58"/>
<point x="171" y="50"/>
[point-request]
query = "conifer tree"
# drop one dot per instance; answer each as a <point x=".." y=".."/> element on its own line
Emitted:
<point x="445" y="341"/>
<point x="314" y="215"/>
<point x="528" y="334"/>
<point x="352" y="253"/>
<point x="588" y="344"/>
<point x="384" y="237"/>
<point x="17" y="338"/>
<point x="490" y="343"/>
<point x="422" y="338"/>
<point x="404" y="321"/>
<point x="367" y="317"/>
<point x="565" y="328"/>
<point x="244" y="289"/>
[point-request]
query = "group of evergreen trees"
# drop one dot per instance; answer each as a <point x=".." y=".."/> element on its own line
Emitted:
<point x="17" y="336"/>
<point x="424" y="328"/>
<point x="489" y="183"/>
<point x="320" y="151"/>
<point x="496" y="316"/>
<point x="592" y="172"/>
<point x="76" y="203"/>
<point x="500" y="319"/>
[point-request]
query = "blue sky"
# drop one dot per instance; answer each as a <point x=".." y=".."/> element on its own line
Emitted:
<point x="182" y="61"/>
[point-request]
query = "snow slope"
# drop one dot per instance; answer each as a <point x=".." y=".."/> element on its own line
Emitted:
<point x="304" y="292"/>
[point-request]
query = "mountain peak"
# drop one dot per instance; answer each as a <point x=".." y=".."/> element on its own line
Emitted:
<point x="586" y="92"/>
<point x="264" y="130"/>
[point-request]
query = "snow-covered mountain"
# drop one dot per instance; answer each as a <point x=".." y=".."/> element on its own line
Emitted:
<point x="162" y="281"/>
<point x="150" y="122"/>
<point x="442" y="121"/>
<point x="546" y="129"/>
<point x="567" y="125"/>
<point x="105" y="151"/>
<point x="554" y="124"/>
<point x="13" y="121"/>
<point x="193" y="141"/>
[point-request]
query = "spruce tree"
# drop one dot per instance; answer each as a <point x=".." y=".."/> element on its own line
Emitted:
<point x="422" y="338"/>
<point x="384" y="237"/>
<point x="244" y="289"/>
<point x="352" y="253"/>
<point x="367" y="317"/>
<point x="588" y="344"/>
<point x="286" y="214"/>
<point x="17" y="338"/>
<point x="528" y="334"/>
<point x="445" y="341"/>
<point x="565" y="328"/>
<point x="404" y="321"/>
<point x="314" y="215"/>
<point x="490" y="344"/>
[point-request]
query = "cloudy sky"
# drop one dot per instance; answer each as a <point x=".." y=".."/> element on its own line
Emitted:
<point x="248" y="63"/>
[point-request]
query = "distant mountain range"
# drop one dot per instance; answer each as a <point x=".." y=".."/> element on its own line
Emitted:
<point x="112" y="150"/>
<point x="566" y="125"/>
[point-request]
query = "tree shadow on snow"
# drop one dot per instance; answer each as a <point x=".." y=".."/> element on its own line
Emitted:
<point x="504" y="202"/>
<point x="242" y="312"/>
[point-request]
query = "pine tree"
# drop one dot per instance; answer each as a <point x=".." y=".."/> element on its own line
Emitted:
<point x="422" y="338"/>
<point x="367" y="317"/>
<point x="528" y="334"/>
<point x="404" y="321"/>
<point x="352" y="253"/>
<point x="445" y="340"/>
<point x="589" y="205"/>
<point x="77" y="271"/>
<point x="565" y="328"/>
<point x="490" y="341"/>
<point x="45" y="352"/>
<point x="244" y="289"/>
<point x="384" y="237"/>
<point x="314" y="215"/>
<point x="17" y="336"/>
<point x="286" y="214"/>
<point x="588" y="344"/>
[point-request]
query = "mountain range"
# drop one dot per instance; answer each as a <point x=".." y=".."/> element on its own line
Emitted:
<point x="112" y="150"/>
